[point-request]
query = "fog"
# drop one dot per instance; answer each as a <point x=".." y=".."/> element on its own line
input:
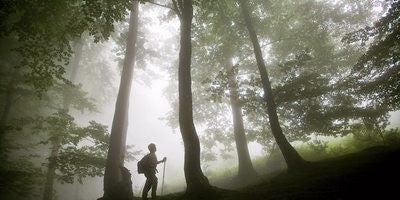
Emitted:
<point x="333" y="82"/>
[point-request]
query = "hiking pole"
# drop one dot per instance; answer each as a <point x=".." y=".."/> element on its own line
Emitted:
<point x="162" y="185"/>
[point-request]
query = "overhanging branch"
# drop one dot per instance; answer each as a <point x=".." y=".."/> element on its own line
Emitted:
<point x="161" y="5"/>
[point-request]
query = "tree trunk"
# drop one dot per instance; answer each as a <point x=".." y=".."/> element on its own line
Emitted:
<point x="246" y="169"/>
<point x="51" y="168"/>
<point x="116" y="151"/>
<point x="74" y="72"/>
<point x="8" y="103"/>
<point x="292" y="158"/>
<point x="56" y="144"/>
<point x="197" y="183"/>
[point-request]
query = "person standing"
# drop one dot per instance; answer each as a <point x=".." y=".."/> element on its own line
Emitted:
<point x="150" y="172"/>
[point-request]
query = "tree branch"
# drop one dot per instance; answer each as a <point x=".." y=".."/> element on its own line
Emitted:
<point x="177" y="10"/>
<point x="161" y="5"/>
<point x="180" y="4"/>
<point x="264" y="45"/>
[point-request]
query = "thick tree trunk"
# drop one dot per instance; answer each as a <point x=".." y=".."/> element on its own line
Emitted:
<point x="116" y="151"/>
<point x="246" y="169"/>
<point x="197" y="183"/>
<point x="293" y="159"/>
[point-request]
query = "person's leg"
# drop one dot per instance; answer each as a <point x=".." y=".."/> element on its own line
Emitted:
<point x="154" y="183"/>
<point x="146" y="188"/>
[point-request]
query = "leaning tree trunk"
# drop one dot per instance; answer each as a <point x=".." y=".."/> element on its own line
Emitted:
<point x="197" y="183"/>
<point x="56" y="143"/>
<point x="293" y="159"/>
<point x="246" y="169"/>
<point x="117" y="148"/>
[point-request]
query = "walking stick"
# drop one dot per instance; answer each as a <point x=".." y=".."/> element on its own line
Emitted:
<point x="162" y="186"/>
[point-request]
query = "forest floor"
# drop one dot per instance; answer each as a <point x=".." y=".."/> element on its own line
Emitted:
<point x="373" y="173"/>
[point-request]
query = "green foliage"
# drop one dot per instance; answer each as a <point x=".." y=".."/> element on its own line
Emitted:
<point x="81" y="150"/>
<point x="19" y="175"/>
<point x="376" y="74"/>
<point x="85" y="146"/>
<point x="218" y="88"/>
<point x="39" y="39"/>
<point x="392" y="137"/>
<point x="144" y="54"/>
<point x="77" y="98"/>
<point x="43" y="32"/>
<point x="321" y="147"/>
<point x="308" y="68"/>
<point x="316" y="87"/>
<point x="317" y="148"/>
<point x="19" y="178"/>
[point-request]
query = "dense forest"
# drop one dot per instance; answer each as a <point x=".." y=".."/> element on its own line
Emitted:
<point x="256" y="99"/>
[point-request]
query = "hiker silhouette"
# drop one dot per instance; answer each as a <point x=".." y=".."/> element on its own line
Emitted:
<point x="150" y="172"/>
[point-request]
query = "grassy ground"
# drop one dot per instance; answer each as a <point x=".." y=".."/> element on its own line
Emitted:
<point x="373" y="173"/>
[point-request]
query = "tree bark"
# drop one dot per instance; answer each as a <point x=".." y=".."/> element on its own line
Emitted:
<point x="292" y="158"/>
<point x="197" y="183"/>
<point x="116" y="151"/>
<point x="246" y="169"/>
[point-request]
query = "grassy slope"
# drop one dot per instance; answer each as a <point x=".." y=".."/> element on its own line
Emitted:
<point x="370" y="174"/>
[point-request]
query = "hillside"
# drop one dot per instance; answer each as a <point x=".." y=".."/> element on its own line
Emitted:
<point x="368" y="174"/>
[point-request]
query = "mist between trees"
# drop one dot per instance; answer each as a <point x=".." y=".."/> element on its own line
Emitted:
<point x="227" y="90"/>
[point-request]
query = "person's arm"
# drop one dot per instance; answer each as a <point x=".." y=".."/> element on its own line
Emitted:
<point x="163" y="160"/>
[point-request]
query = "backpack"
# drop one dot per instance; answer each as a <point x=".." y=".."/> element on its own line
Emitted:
<point x="143" y="164"/>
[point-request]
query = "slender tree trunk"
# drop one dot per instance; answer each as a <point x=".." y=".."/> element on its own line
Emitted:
<point x="51" y="168"/>
<point x="246" y="169"/>
<point x="8" y="103"/>
<point x="116" y="151"/>
<point x="56" y="144"/>
<point x="77" y="189"/>
<point x="197" y="183"/>
<point x="293" y="159"/>
<point x="74" y="72"/>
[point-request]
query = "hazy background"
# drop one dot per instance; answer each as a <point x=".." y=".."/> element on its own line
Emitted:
<point x="150" y="104"/>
